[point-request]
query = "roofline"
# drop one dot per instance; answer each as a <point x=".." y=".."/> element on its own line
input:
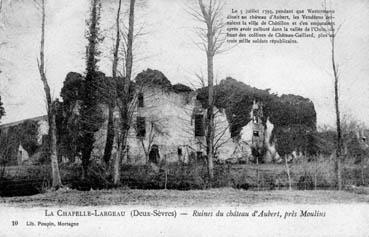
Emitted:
<point x="38" y="118"/>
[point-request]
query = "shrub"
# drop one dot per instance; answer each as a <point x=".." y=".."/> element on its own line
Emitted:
<point x="305" y="182"/>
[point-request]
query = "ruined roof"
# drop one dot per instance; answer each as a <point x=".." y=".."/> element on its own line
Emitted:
<point x="153" y="77"/>
<point x="178" y="88"/>
<point x="157" y="78"/>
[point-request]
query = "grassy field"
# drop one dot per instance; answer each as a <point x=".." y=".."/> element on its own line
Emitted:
<point x="29" y="180"/>
<point x="211" y="197"/>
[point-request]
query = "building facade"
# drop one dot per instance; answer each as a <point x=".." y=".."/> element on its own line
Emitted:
<point x="169" y="125"/>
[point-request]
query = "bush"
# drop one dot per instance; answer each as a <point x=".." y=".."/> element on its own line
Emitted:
<point x="305" y="182"/>
<point x="24" y="180"/>
<point x="97" y="178"/>
<point x="173" y="176"/>
<point x="318" y="169"/>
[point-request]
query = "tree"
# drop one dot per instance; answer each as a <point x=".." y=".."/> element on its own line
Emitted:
<point x="212" y="39"/>
<point x="125" y="96"/>
<point x="67" y="120"/>
<point x="355" y="144"/>
<point x="221" y="125"/>
<point x="156" y="128"/>
<point x="28" y="136"/>
<point x="333" y="31"/>
<point x="56" y="180"/>
<point x="111" y="104"/>
<point x="91" y="114"/>
<point x="294" y="128"/>
<point x="194" y="128"/>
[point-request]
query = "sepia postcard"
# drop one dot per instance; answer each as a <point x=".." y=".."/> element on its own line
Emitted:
<point x="184" y="118"/>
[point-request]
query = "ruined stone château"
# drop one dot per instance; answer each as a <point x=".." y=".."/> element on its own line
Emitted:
<point x="169" y="124"/>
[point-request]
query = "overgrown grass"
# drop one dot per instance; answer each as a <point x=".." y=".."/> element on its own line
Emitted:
<point x="312" y="173"/>
<point x="306" y="173"/>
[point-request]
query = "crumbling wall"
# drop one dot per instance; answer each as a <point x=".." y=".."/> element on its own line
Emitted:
<point x="169" y="125"/>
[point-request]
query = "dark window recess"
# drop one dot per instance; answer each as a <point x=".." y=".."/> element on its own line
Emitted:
<point x="179" y="151"/>
<point x="199" y="155"/>
<point x="199" y="125"/>
<point x="140" y="100"/>
<point x="141" y="128"/>
<point x="256" y="133"/>
<point x="154" y="155"/>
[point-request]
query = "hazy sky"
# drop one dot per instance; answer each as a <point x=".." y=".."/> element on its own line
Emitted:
<point x="167" y="45"/>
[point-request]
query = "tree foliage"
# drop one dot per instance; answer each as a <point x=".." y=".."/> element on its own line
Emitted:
<point x="91" y="114"/>
<point x="154" y="77"/>
<point x="355" y="145"/>
<point x="69" y="120"/>
<point x="28" y="136"/>
<point x="293" y="116"/>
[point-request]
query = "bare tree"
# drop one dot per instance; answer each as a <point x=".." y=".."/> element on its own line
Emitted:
<point x="122" y="135"/>
<point x="120" y="55"/>
<point x="221" y="130"/>
<point x="333" y="31"/>
<point x="124" y="98"/>
<point x="221" y="124"/>
<point x="212" y="39"/>
<point x="156" y="128"/>
<point x="56" y="180"/>
<point x="111" y="103"/>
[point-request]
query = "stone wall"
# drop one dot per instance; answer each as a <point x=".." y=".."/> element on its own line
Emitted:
<point x="169" y="125"/>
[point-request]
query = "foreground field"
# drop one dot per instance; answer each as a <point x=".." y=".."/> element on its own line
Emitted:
<point x="212" y="197"/>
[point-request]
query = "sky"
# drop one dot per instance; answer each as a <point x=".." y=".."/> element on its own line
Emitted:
<point x="167" y="44"/>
